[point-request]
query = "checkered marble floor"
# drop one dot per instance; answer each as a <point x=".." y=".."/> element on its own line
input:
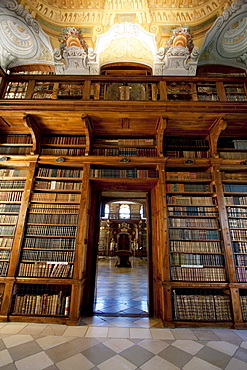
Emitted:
<point x="121" y="291"/>
<point x="122" y="344"/>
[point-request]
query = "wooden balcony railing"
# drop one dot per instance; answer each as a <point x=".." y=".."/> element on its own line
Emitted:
<point x="129" y="88"/>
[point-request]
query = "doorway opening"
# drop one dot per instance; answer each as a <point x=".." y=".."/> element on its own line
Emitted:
<point x="123" y="253"/>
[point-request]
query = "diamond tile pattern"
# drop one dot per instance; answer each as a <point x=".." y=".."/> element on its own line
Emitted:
<point x="126" y="350"/>
<point x="106" y="342"/>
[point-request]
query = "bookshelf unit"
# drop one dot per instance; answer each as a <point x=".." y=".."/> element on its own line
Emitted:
<point x="235" y="190"/>
<point x="196" y="249"/>
<point x="125" y="147"/>
<point x="15" y="144"/>
<point x="206" y="91"/>
<point x="48" y="246"/>
<point x="63" y="145"/>
<point x="130" y="173"/>
<point x="179" y="147"/>
<point x="208" y="305"/>
<point x="12" y="183"/>
<point x="235" y="91"/>
<point x="232" y="148"/>
<point x="41" y="300"/>
<point x="243" y="302"/>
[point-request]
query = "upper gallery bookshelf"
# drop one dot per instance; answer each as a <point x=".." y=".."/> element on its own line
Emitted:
<point x="186" y="147"/>
<point x="15" y="144"/>
<point x="12" y="183"/>
<point x="63" y="145"/>
<point x="125" y="147"/>
<point x="232" y="148"/>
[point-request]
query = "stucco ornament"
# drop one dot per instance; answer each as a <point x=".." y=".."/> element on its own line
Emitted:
<point x="23" y="42"/>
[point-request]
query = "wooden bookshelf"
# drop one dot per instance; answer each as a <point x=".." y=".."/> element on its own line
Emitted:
<point x="15" y="144"/>
<point x="12" y="183"/>
<point x="196" y="249"/>
<point x="125" y="147"/>
<point x="179" y="147"/>
<point x="235" y="188"/>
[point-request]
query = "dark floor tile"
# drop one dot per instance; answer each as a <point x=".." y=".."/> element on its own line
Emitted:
<point x="81" y="344"/>
<point x="9" y="367"/>
<point x="2" y="345"/>
<point x="98" y="354"/>
<point x="241" y="354"/>
<point x="24" y="350"/>
<point x="136" y="355"/>
<point x="214" y="357"/>
<point x="61" y="352"/>
<point x="176" y="356"/>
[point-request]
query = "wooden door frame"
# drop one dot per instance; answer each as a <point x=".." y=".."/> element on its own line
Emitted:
<point x="88" y="296"/>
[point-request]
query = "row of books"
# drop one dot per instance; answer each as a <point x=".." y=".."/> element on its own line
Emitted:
<point x="198" y="307"/>
<point x="55" y="197"/>
<point x="54" y="208"/>
<point x="4" y="265"/>
<point x="46" y="218"/>
<point x="185" y="200"/>
<point x="45" y="304"/>
<point x="197" y="259"/>
<point x="243" y="301"/>
<point x="233" y="155"/>
<point x="235" y="188"/>
<point x="8" y="219"/>
<point x="10" y="196"/>
<point x="9" y="208"/>
<point x="12" y="184"/>
<point x="49" y="243"/>
<point x="192" y="234"/>
<point x="240" y="235"/>
<point x="14" y="150"/>
<point x="195" y="246"/>
<point x="5" y="254"/>
<point x="188" y="175"/>
<point x="46" y="255"/>
<point x="240" y="247"/>
<point x="6" y="242"/>
<point x="16" y="139"/>
<point x="51" y="230"/>
<point x="242" y="274"/>
<point x="58" y="185"/>
<point x="192" y="211"/>
<point x="46" y="269"/>
<point x="241" y="259"/>
<point x="186" y="142"/>
<point x="189" y="187"/>
<point x="59" y="172"/>
<point x="237" y="212"/>
<point x="234" y="200"/>
<point x="7" y="172"/>
<point x="240" y="144"/>
<point x="64" y="140"/>
<point x="195" y="273"/>
<point x="193" y="222"/>
<point x="234" y="176"/>
<point x="63" y="151"/>
<point x="130" y="173"/>
<point x="125" y="152"/>
<point x="187" y="154"/>
<point x="7" y="229"/>
<point x="126" y="142"/>
<point x="237" y="223"/>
